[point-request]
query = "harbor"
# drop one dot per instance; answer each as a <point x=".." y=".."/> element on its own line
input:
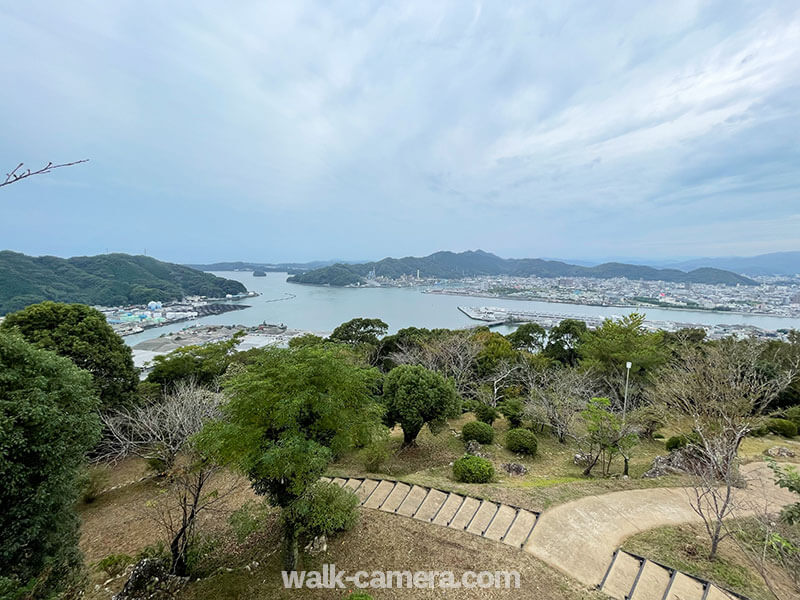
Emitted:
<point x="493" y="316"/>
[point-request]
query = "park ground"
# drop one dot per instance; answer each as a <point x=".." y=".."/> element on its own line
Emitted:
<point x="231" y="565"/>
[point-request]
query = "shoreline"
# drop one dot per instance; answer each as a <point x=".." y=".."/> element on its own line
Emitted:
<point x="425" y="290"/>
<point x="645" y="305"/>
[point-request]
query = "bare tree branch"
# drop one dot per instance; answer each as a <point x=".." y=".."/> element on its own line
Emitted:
<point x="17" y="173"/>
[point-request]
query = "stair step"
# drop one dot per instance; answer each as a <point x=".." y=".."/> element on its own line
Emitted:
<point x="501" y="523"/>
<point x="397" y="496"/>
<point x="652" y="583"/>
<point x="714" y="593"/>
<point x="520" y="529"/>
<point x="685" y="588"/>
<point x="413" y="501"/>
<point x="339" y="481"/>
<point x="366" y="488"/>
<point x="465" y="513"/>
<point x="451" y="505"/>
<point x="485" y="514"/>
<point x="430" y="505"/>
<point x="380" y="494"/>
<point x="623" y="573"/>
<point x="353" y="484"/>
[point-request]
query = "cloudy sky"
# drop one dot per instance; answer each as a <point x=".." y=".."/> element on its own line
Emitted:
<point x="295" y="130"/>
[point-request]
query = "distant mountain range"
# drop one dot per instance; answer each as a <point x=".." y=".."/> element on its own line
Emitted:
<point x="779" y="264"/>
<point x="775" y="263"/>
<point x="107" y="279"/>
<point x="450" y="265"/>
<point x="268" y="267"/>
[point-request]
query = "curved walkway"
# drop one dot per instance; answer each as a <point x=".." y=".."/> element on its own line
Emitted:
<point x="580" y="538"/>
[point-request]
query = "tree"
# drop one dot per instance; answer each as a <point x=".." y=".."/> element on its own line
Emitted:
<point x="557" y="396"/>
<point x="530" y="337"/>
<point x="200" y="364"/>
<point x="289" y="414"/>
<point x="415" y="397"/>
<point x="162" y="433"/>
<point x="359" y="331"/>
<point x="496" y="349"/>
<point x="307" y="339"/>
<point x="607" y="349"/>
<point x="48" y="421"/>
<point x="159" y="431"/>
<point x="723" y="391"/>
<point x="564" y="341"/>
<point x="606" y="436"/>
<point x="83" y="335"/>
<point x="452" y="354"/>
<point x="18" y="173"/>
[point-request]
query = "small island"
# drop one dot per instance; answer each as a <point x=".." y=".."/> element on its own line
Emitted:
<point x="258" y="273"/>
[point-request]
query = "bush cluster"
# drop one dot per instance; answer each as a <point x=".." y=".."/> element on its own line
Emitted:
<point x="793" y="415"/>
<point x="478" y="431"/>
<point x="681" y="441"/>
<point x="473" y="469"/>
<point x="513" y="409"/>
<point x="485" y="413"/>
<point x="783" y="427"/>
<point x="522" y="441"/>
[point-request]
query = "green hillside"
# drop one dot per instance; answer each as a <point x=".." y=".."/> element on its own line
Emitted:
<point x="450" y="265"/>
<point x="106" y="279"/>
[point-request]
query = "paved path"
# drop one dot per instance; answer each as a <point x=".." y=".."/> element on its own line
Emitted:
<point x="581" y="537"/>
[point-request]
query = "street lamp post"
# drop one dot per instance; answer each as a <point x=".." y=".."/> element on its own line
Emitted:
<point x="628" y="366"/>
<point x="624" y="414"/>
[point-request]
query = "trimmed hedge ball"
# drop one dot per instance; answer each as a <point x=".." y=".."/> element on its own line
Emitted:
<point x="522" y="441"/>
<point x="478" y="431"/>
<point x="473" y="469"/>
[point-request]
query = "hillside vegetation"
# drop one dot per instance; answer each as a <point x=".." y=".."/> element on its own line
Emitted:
<point x="450" y="265"/>
<point x="107" y="279"/>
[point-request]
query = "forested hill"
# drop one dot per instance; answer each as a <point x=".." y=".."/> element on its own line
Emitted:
<point x="450" y="265"/>
<point x="106" y="279"/>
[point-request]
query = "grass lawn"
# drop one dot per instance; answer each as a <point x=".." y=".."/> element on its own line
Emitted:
<point x="686" y="547"/>
<point x="552" y="476"/>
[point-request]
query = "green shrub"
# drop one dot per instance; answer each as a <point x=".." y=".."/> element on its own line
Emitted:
<point x="376" y="453"/>
<point x="760" y="431"/>
<point x="658" y="436"/>
<point x="157" y="550"/>
<point x="359" y="596"/>
<point x="248" y="519"/>
<point x="473" y="469"/>
<point x="513" y="410"/>
<point x="94" y="480"/>
<point x="783" y="427"/>
<point x="324" y="509"/>
<point x="114" y="564"/>
<point x="469" y="405"/>
<point x="522" y="441"/>
<point x="478" y="431"/>
<point x="793" y="415"/>
<point x="485" y="413"/>
<point x="681" y="441"/>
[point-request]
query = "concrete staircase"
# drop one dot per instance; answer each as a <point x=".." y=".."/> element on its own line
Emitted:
<point x="628" y="576"/>
<point x="633" y="577"/>
<point x="499" y="522"/>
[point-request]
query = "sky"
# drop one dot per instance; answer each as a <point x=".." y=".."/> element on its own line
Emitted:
<point x="293" y="131"/>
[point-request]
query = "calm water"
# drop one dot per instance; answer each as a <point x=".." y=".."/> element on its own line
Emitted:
<point x="323" y="308"/>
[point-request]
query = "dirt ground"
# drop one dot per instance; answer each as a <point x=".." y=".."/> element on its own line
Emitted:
<point x="117" y="522"/>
